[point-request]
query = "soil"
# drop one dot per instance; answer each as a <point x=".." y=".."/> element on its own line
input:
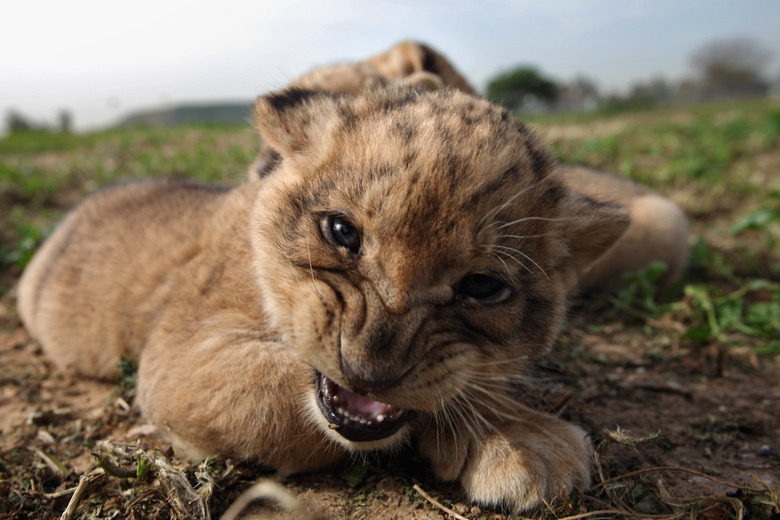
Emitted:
<point x="718" y="413"/>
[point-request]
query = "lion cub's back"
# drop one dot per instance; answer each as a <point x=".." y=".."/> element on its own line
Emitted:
<point x="91" y="291"/>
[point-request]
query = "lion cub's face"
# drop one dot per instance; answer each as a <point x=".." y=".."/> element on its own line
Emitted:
<point x="415" y="250"/>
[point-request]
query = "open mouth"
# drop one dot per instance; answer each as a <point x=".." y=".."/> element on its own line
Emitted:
<point x="355" y="417"/>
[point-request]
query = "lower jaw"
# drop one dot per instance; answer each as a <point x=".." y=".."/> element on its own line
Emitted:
<point x="356" y="435"/>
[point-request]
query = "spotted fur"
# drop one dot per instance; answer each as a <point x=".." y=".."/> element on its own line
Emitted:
<point x="231" y="300"/>
<point x="658" y="231"/>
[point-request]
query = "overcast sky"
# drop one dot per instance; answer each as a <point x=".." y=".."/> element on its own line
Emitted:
<point x="102" y="59"/>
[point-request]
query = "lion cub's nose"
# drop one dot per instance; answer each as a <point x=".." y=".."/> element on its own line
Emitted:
<point x="368" y="379"/>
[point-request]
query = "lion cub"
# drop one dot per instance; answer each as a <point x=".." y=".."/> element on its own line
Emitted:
<point x="658" y="231"/>
<point x="399" y="269"/>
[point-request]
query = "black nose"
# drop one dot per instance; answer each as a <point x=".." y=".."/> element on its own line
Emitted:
<point x="368" y="379"/>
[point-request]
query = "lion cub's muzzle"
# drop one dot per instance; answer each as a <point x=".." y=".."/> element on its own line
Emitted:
<point x="355" y="417"/>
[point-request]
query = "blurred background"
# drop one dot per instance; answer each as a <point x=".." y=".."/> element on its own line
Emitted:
<point x="87" y="64"/>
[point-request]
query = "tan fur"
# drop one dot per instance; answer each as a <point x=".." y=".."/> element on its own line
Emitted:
<point x="659" y="228"/>
<point x="408" y="63"/>
<point x="231" y="299"/>
<point x="408" y="58"/>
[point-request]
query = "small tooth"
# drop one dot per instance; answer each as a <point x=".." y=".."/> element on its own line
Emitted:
<point x="380" y="418"/>
<point x="336" y="399"/>
<point x="363" y="421"/>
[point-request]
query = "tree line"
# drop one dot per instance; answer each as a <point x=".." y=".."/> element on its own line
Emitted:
<point x="722" y="69"/>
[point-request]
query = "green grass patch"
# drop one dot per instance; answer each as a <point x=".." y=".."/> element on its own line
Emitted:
<point x="671" y="147"/>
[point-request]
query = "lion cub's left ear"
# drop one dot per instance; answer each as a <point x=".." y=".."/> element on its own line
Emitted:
<point x="294" y="120"/>
<point x="590" y="229"/>
<point x="423" y="80"/>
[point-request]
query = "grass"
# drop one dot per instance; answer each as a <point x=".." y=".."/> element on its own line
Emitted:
<point x="42" y="175"/>
<point x="667" y="148"/>
<point x="37" y="168"/>
<point x="719" y="163"/>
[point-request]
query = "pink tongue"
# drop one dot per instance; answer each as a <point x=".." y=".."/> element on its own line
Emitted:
<point x="359" y="405"/>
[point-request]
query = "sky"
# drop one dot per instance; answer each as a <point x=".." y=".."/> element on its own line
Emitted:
<point x="102" y="60"/>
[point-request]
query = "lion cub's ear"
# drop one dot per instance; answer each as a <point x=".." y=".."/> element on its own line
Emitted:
<point x="591" y="229"/>
<point x="423" y="80"/>
<point x="294" y="120"/>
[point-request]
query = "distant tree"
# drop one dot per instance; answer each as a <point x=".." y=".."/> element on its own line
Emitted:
<point x="65" y="121"/>
<point x="16" y="122"/>
<point x="653" y="92"/>
<point x="733" y="67"/>
<point x="579" y="94"/>
<point x="520" y="87"/>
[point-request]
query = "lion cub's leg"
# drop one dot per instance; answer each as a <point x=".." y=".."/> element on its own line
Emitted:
<point x="222" y="392"/>
<point x="658" y="230"/>
<point x="513" y="463"/>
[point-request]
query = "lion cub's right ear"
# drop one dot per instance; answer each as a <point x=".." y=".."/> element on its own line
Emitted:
<point x="423" y="80"/>
<point x="294" y="120"/>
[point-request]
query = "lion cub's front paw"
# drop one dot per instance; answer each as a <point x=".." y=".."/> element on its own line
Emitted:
<point x="518" y="465"/>
<point x="514" y="465"/>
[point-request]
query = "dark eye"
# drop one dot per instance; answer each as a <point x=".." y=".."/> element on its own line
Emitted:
<point x="483" y="287"/>
<point x="342" y="233"/>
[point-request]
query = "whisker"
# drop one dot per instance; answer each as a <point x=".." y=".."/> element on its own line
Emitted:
<point x="498" y="209"/>
<point x="526" y="219"/>
<point x="474" y="428"/>
<point x="513" y="258"/>
<point x="500" y="400"/>
<point x="453" y="425"/>
<point x="484" y="423"/>
<point x="525" y="256"/>
<point x="520" y="237"/>
<point x="495" y="255"/>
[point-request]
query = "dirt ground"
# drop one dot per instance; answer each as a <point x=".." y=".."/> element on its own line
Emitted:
<point x="719" y="418"/>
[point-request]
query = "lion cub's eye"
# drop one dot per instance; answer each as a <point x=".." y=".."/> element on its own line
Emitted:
<point x="340" y="232"/>
<point x="484" y="288"/>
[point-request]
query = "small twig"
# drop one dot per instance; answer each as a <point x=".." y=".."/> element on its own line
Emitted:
<point x="622" y="437"/>
<point x="84" y="481"/>
<point x="547" y="504"/>
<point x="436" y="503"/>
<point x="771" y="491"/>
<point x="58" y="494"/>
<point x="671" y="468"/>
<point x="630" y="514"/>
